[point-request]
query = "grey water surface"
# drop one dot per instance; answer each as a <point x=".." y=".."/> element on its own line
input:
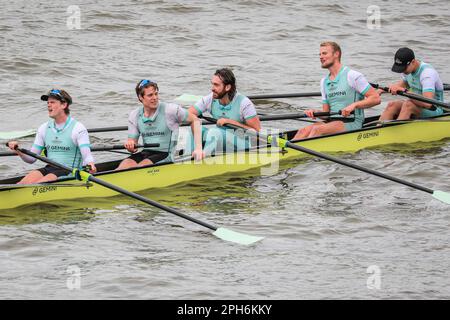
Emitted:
<point x="330" y="232"/>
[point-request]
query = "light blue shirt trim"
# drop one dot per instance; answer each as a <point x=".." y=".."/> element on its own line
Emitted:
<point x="198" y="110"/>
<point x="40" y="148"/>
<point x="366" y="89"/>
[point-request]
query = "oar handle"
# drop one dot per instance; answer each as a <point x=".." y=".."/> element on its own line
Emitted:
<point x="433" y="102"/>
<point x="121" y="147"/>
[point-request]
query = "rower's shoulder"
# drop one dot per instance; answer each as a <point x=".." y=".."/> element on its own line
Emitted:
<point x="79" y="127"/>
<point x="353" y="75"/>
<point x="135" y="112"/>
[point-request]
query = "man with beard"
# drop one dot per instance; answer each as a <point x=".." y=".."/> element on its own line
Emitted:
<point x="343" y="90"/>
<point x="228" y="106"/>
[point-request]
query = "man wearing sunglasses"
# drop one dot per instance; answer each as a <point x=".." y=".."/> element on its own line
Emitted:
<point x="228" y="106"/>
<point x="418" y="77"/>
<point x="157" y="122"/>
<point x="64" y="139"/>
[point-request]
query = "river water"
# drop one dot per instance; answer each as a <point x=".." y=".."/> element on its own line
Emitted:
<point x="330" y="232"/>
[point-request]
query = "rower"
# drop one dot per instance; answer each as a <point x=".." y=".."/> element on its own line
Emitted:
<point x="64" y="139"/>
<point x="228" y="106"/>
<point x="157" y="122"/>
<point x="344" y="90"/>
<point x="418" y="77"/>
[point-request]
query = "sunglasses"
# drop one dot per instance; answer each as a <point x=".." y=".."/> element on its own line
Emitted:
<point x="146" y="82"/>
<point x="57" y="93"/>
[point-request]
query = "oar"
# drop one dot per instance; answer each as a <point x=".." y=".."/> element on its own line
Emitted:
<point x="222" y="233"/>
<point x="444" y="105"/>
<point x="437" y="194"/>
<point x="12" y="135"/>
<point x="186" y="97"/>
<point x="99" y="148"/>
<point x="289" y="116"/>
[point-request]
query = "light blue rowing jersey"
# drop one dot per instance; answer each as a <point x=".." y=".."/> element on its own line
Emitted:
<point x="240" y="109"/>
<point x="339" y="94"/>
<point x="230" y="111"/>
<point x="60" y="146"/>
<point x="159" y="128"/>
<point x="415" y="84"/>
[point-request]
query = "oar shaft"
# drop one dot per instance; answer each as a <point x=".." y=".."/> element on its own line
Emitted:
<point x="120" y="190"/>
<point x="150" y="202"/>
<point x="108" y="129"/>
<point x="284" y="95"/>
<point x="270" y="117"/>
<point x="291" y="145"/>
<point x="300" y="95"/>
<point x="121" y="147"/>
<point x="415" y="97"/>
<point x="355" y="166"/>
<point x="105" y="148"/>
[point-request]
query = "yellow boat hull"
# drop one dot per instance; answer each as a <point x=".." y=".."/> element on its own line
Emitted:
<point x="160" y="176"/>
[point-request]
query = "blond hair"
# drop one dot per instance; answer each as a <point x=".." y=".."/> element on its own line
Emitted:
<point x="333" y="45"/>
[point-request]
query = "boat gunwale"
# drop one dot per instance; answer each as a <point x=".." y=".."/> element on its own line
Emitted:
<point x="260" y="146"/>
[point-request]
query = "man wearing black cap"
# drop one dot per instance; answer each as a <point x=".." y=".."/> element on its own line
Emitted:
<point x="65" y="140"/>
<point x="419" y="78"/>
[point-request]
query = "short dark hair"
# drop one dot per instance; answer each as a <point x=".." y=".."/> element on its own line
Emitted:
<point x="143" y="84"/>
<point x="227" y="77"/>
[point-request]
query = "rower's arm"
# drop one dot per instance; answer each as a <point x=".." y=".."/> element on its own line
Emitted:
<point x="372" y="98"/>
<point x="429" y="79"/>
<point x="197" y="132"/>
<point x="253" y="123"/>
<point x="429" y="95"/>
<point x="193" y="111"/>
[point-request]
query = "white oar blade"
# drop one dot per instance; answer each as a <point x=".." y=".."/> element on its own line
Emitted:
<point x="16" y="134"/>
<point x="237" y="237"/>
<point x="442" y="196"/>
<point x="188" y="98"/>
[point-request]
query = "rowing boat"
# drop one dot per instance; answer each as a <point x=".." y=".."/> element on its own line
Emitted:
<point x="265" y="157"/>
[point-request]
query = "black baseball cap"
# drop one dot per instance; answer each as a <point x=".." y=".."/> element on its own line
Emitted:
<point x="403" y="58"/>
<point x="60" y="95"/>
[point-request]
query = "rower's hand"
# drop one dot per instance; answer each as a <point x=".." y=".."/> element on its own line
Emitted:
<point x="348" y="110"/>
<point x="380" y="91"/>
<point x="310" y="113"/>
<point x="393" y="89"/>
<point x="198" y="154"/>
<point x="92" y="168"/>
<point x="13" y="145"/>
<point x="130" y="145"/>
<point x="223" y="122"/>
